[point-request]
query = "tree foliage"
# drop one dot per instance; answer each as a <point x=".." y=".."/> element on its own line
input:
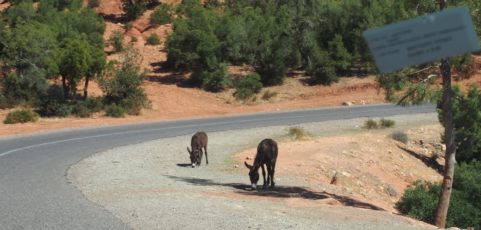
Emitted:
<point x="420" y="199"/>
<point x="56" y="38"/>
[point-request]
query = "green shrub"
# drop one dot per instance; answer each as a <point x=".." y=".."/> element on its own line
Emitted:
<point x="467" y="124"/>
<point x="371" y="124"/>
<point x="21" y="116"/>
<point x="386" y="123"/>
<point x="86" y="107"/>
<point x="133" y="9"/>
<point x="24" y="89"/>
<point x="216" y="79"/>
<point x="400" y="136"/>
<point x="322" y="69"/>
<point x="248" y="86"/>
<point x="420" y="199"/>
<point x="54" y="104"/>
<point x="153" y="39"/>
<point x="116" y="40"/>
<point x="128" y="26"/>
<point x="56" y="109"/>
<point x="162" y="14"/>
<point x="94" y="3"/>
<point x="122" y="85"/>
<point x="80" y="110"/>
<point x="115" y="110"/>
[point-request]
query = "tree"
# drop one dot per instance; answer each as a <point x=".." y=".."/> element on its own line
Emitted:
<point x="75" y="60"/>
<point x="122" y="83"/>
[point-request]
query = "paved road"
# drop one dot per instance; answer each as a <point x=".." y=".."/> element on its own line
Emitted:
<point x="34" y="193"/>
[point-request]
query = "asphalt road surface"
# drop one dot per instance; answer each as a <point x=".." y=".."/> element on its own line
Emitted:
<point x="34" y="193"/>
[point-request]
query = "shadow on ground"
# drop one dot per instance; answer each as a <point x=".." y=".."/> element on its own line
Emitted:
<point x="428" y="161"/>
<point x="278" y="192"/>
<point x="170" y="77"/>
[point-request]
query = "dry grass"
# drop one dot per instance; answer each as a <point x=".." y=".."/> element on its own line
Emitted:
<point x="298" y="133"/>
<point x="268" y="95"/>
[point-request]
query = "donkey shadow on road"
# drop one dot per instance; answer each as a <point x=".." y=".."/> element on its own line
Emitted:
<point x="278" y="192"/>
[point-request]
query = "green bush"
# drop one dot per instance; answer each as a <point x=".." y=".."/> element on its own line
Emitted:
<point x="386" y="123"/>
<point x="216" y="79"/>
<point x="56" y="109"/>
<point x="420" y="199"/>
<point x="248" y="86"/>
<point x="23" y="89"/>
<point x="116" y="40"/>
<point x="371" y="124"/>
<point x="122" y="85"/>
<point x="467" y="123"/>
<point x="54" y="104"/>
<point x="153" y="39"/>
<point x="115" y="110"/>
<point x="321" y="68"/>
<point x="86" y="107"/>
<point x="162" y="14"/>
<point x="133" y="9"/>
<point x="128" y="26"/>
<point x="80" y="110"/>
<point x="21" y="116"/>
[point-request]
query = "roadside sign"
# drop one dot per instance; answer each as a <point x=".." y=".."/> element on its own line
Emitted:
<point x="422" y="39"/>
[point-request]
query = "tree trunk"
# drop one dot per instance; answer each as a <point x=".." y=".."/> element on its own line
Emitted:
<point x="86" y="86"/>
<point x="450" y="155"/>
<point x="65" y="88"/>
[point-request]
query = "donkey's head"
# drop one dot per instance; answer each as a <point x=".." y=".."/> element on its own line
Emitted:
<point x="253" y="175"/>
<point x="194" y="156"/>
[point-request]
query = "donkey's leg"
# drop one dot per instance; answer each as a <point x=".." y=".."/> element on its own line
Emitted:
<point x="206" y="158"/>
<point x="263" y="175"/>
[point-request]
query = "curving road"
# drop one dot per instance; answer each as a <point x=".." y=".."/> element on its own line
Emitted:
<point x="34" y="193"/>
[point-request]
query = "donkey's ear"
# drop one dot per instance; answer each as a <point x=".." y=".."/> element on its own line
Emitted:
<point x="247" y="165"/>
<point x="188" y="150"/>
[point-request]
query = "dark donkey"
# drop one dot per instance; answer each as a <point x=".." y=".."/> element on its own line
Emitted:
<point x="266" y="155"/>
<point x="198" y="141"/>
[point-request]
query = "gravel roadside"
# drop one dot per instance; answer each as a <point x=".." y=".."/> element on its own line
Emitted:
<point x="148" y="185"/>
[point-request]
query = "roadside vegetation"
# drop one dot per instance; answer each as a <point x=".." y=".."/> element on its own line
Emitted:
<point x="421" y="199"/>
<point x="51" y="50"/>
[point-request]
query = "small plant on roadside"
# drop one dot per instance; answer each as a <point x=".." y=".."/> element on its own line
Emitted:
<point x="268" y="95"/>
<point x="371" y="124"/>
<point x="298" y="133"/>
<point x="153" y="39"/>
<point x="115" y="110"/>
<point x="386" y="123"/>
<point x="134" y="39"/>
<point x="116" y="41"/>
<point x="21" y="116"/>
<point x="400" y="136"/>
